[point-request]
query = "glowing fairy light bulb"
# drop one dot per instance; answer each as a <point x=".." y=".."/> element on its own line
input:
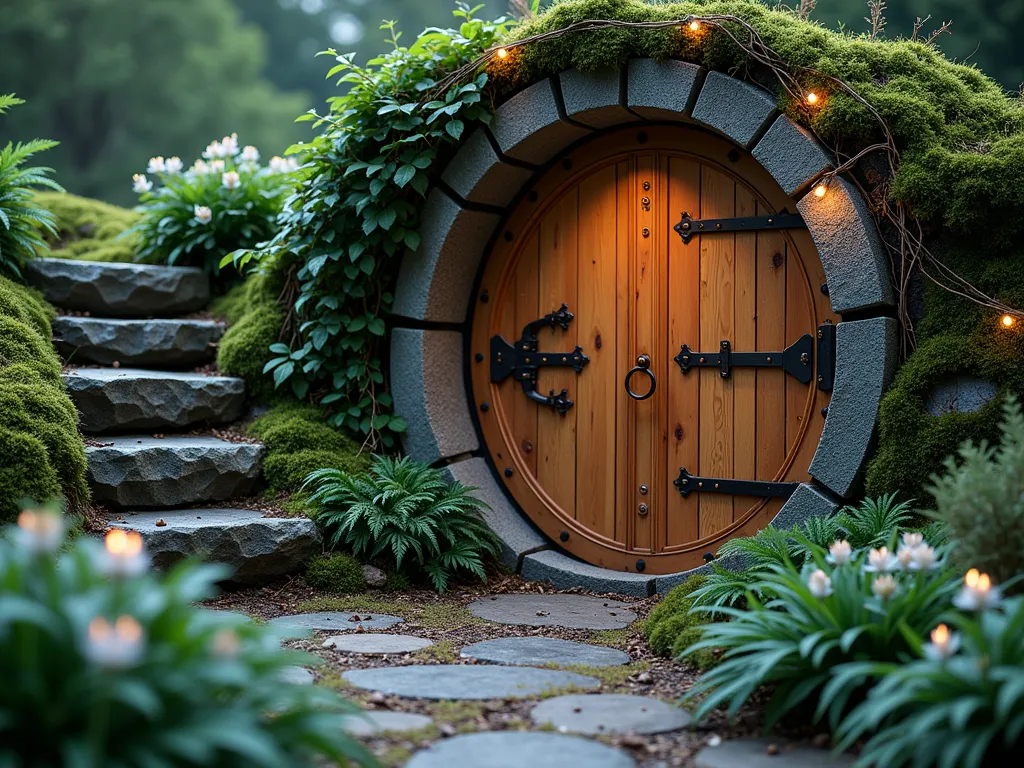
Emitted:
<point x="503" y="53"/>
<point x="812" y="98"/>
<point x="694" y="26"/>
<point x="1009" y="321"/>
<point x="820" y="190"/>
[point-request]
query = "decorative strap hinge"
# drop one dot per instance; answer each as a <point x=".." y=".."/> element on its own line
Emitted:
<point x="687" y="484"/>
<point x="796" y="359"/>
<point x="688" y="226"/>
<point x="523" y="362"/>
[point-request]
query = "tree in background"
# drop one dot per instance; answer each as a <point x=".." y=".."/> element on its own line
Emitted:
<point x="984" y="32"/>
<point x="116" y="81"/>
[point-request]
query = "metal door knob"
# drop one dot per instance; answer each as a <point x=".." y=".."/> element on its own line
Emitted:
<point x="643" y="365"/>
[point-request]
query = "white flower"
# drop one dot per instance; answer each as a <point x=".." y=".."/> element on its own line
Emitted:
<point x="217" y="166"/>
<point x="881" y="561"/>
<point x="174" y="164"/>
<point x="114" y="647"/>
<point x="203" y="214"/>
<point x="905" y="557"/>
<point x="292" y="164"/>
<point x="39" y="531"/>
<point x="885" y="586"/>
<point x="977" y="592"/>
<point x="231" y="180"/>
<point x="214" y="150"/>
<point x="820" y="584"/>
<point x="124" y="555"/>
<point x="141" y="184"/>
<point x="922" y="558"/>
<point x="278" y="164"/>
<point x="230" y="145"/>
<point x="943" y="645"/>
<point x="199" y="168"/>
<point x="840" y="552"/>
<point x="911" y="540"/>
<point x="156" y="165"/>
<point x="250" y="154"/>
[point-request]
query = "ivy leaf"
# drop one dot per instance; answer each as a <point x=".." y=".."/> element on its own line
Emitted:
<point x="280" y="349"/>
<point x="282" y="372"/>
<point x="405" y="174"/>
<point x="356" y="324"/>
<point x="380" y="420"/>
<point x="386" y="218"/>
<point x="356" y="250"/>
<point x="376" y="326"/>
<point x="412" y="240"/>
<point x="397" y="424"/>
<point x="454" y="128"/>
<point x="300" y="387"/>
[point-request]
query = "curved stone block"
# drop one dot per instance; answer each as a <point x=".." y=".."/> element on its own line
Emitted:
<point x="856" y="265"/>
<point x="478" y="175"/>
<point x="732" y="107"/>
<point x="867" y="352"/>
<point x="661" y="91"/>
<point x="128" y="399"/>
<point x="594" y="98"/>
<point x="256" y="548"/>
<point x="430" y="393"/>
<point x="529" y="126"/>
<point x="119" y="290"/>
<point x="161" y="343"/>
<point x="436" y="281"/>
<point x="139" y="471"/>
<point x="565" y="572"/>
<point x="791" y="155"/>
<point x="517" y="534"/>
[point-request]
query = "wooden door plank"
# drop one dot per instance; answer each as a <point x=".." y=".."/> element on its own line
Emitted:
<point x="624" y="437"/>
<point x="744" y="380"/>
<point x="596" y="316"/>
<point x="799" y="320"/>
<point x="771" y="337"/>
<point x="717" y="312"/>
<point x="683" y="312"/>
<point x="556" y="433"/>
<point x="527" y="309"/>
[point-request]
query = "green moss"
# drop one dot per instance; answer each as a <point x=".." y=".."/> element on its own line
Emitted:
<point x="41" y="454"/>
<point x="337" y="573"/>
<point x="90" y="230"/>
<point x="299" y="442"/>
<point x="256" y="319"/>
<point x="670" y="627"/>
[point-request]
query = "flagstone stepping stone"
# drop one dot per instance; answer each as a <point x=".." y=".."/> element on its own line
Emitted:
<point x="610" y="713"/>
<point x="519" y="749"/>
<point x="295" y="676"/>
<point x="465" y="682"/>
<point x="163" y="343"/>
<point x="571" y="611"/>
<point x="378" y="644"/>
<point x="340" y="621"/>
<point x="379" y="721"/>
<point x="755" y="753"/>
<point x="539" y="651"/>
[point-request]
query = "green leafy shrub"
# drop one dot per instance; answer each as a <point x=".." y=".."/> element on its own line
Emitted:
<point x="22" y="220"/>
<point x="358" y="207"/>
<point x="671" y="627"/>
<point x="981" y="501"/>
<point x="966" y="710"/>
<point x="337" y="573"/>
<point x="89" y="230"/>
<point x="221" y="203"/>
<point x="256" y="320"/>
<point x="871" y="523"/>
<point x="41" y="453"/>
<point x="299" y="442"/>
<point x="402" y="511"/>
<point x="808" y="621"/>
<point x="105" y="664"/>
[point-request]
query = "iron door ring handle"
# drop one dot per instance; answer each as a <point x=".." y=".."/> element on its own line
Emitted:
<point x="643" y="365"/>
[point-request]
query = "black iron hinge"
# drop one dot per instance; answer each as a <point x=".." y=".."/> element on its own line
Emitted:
<point x="794" y="359"/>
<point x="687" y="484"/>
<point x="688" y="226"/>
<point x="826" y="356"/>
<point x="522" y="360"/>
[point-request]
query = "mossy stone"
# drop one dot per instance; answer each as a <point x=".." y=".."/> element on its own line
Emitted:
<point x="245" y="348"/>
<point x="90" y="230"/>
<point x="336" y="573"/>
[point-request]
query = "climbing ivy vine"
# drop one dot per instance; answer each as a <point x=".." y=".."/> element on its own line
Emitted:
<point x="357" y="207"/>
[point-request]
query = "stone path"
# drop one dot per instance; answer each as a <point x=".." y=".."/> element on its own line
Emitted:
<point x="764" y="753"/>
<point x="573" y="611"/>
<point x="145" y="392"/>
<point x="457" y="682"/>
<point x="378" y="644"/>
<point x="519" y="749"/>
<point x="539" y="651"/>
<point x="335" y="621"/>
<point x="371" y="723"/>
<point x="609" y="714"/>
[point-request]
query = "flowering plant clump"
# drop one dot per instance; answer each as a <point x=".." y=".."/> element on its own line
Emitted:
<point x="224" y="201"/>
<point x="802" y="623"/>
<point x="105" y="663"/>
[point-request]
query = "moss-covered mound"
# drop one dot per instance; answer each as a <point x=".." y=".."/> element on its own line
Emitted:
<point x="961" y="139"/>
<point x="41" y="455"/>
<point x="256" y="318"/>
<point x="670" y="628"/>
<point x="90" y="230"/>
<point x="336" y="573"/>
<point x="299" y="442"/>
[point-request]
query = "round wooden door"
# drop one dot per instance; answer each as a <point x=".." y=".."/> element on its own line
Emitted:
<point x="606" y="309"/>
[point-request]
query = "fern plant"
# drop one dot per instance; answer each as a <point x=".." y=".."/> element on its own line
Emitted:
<point x="22" y="221"/>
<point x="981" y="501"/>
<point x="407" y="513"/>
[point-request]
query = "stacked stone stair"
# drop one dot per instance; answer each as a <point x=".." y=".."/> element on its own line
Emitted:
<point x="132" y="408"/>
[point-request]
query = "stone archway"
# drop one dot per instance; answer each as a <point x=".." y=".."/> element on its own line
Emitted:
<point x="462" y="215"/>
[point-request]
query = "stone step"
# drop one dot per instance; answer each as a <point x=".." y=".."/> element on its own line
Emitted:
<point x="119" y="290"/>
<point x="257" y="548"/>
<point x="143" y="471"/>
<point x="130" y="399"/>
<point x="157" y="343"/>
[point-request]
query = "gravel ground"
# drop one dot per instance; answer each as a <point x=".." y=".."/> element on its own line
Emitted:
<point x="451" y="626"/>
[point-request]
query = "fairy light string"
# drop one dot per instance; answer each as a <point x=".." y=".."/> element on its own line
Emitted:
<point x="907" y="254"/>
